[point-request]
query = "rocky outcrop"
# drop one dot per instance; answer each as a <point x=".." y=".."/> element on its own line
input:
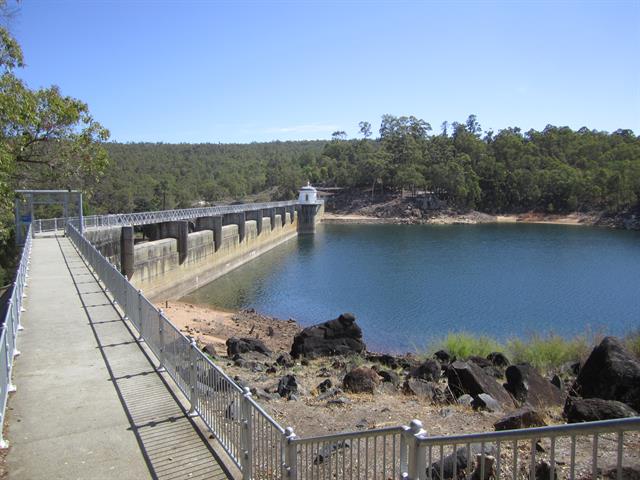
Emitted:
<point x="498" y="359"/>
<point x="524" y="417"/>
<point x="210" y="349"/>
<point x="610" y="373"/>
<point x="528" y="386"/>
<point x="237" y="345"/>
<point x="467" y="377"/>
<point x="341" y="336"/>
<point x="361" y="380"/>
<point x="590" y="409"/>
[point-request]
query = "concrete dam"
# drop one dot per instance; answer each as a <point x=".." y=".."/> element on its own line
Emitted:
<point x="180" y="256"/>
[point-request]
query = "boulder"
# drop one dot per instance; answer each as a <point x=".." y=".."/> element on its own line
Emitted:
<point x="285" y="360"/>
<point x="480" y="361"/>
<point x="610" y="373"/>
<point x="428" y="370"/>
<point x="543" y="471"/>
<point x="444" y="357"/>
<point x="524" y="417"/>
<point x="422" y="389"/>
<point x="465" y="400"/>
<point x="389" y="361"/>
<point x="210" y="350"/>
<point x="389" y="377"/>
<point x="528" y="386"/>
<point x="340" y="336"/>
<point x="324" y="386"/>
<point x="361" y="380"/>
<point x="486" y="402"/>
<point x="590" y="409"/>
<point x="237" y="345"/>
<point x="467" y="377"/>
<point x="498" y="359"/>
<point x="287" y="386"/>
<point x="458" y="461"/>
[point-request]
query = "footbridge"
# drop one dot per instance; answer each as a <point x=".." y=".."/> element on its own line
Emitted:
<point x="96" y="382"/>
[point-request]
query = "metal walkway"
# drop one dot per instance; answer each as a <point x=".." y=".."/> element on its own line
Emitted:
<point x="90" y="404"/>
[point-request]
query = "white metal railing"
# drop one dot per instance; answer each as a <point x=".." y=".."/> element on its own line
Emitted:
<point x="10" y="329"/>
<point x="262" y="449"/>
<point x="145" y="218"/>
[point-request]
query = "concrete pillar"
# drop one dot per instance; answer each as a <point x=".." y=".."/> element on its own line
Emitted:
<point x="283" y="217"/>
<point x="127" y="252"/>
<point x="257" y="216"/>
<point x="237" y="219"/>
<point x="211" y="223"/>
<point x="307" y="219"/>
<point x="180" y="231"/>
<point x="271" y="213"/>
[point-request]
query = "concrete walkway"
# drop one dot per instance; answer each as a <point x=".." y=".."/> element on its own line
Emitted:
<point x="89" y="403"/>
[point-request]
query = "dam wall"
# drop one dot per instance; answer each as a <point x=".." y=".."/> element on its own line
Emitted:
<point x="159" y="272"/>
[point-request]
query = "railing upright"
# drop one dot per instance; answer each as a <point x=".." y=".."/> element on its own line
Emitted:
<point x="245" y="436"/>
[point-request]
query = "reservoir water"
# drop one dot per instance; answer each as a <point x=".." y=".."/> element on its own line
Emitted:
<point x="410" y="284"/>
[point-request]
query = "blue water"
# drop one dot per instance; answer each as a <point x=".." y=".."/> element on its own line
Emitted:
<point x="409" y="284"/>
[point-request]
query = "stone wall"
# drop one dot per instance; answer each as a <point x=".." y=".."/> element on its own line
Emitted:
<point x="160" y="275"/>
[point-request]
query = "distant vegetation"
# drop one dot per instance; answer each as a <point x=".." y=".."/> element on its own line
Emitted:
<point x="555" y="170"/>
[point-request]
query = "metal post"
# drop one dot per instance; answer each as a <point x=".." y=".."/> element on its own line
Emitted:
<point x="290" y="468"/>
<point x="140" y="329"/>
<point x="416" y="458"/>
<point x="161" y="340"/>
<point x="246" y="440"/>
<point x="81" y="218"/>
<point x="8" y="352"/>
<point x="193" y="378"/>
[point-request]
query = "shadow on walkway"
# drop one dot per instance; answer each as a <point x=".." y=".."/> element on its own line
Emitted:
<point x="171" y="443"/>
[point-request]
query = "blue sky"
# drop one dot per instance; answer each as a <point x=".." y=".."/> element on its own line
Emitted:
<point x="205" y="71"/>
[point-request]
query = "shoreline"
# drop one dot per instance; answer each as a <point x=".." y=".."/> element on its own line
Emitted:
<point x="471" y="218"/>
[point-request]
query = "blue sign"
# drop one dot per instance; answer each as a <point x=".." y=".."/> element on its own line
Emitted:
<point x="25" y="218"/>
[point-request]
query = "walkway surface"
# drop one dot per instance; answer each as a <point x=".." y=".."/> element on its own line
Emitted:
<point x="89" y="403"/>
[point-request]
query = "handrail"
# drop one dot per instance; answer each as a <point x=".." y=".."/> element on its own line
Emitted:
<point x="10" y="329"/>
<point x="261" y="448"/>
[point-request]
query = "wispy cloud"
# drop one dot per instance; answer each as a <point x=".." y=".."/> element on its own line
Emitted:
<point x="309" y="128"/>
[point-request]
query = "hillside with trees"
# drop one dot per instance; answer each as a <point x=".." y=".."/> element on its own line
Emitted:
<point x="555" y="170"/>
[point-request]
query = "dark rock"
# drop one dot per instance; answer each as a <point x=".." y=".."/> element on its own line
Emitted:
<point x="210" y="350"/>
<point x="524" y="417"/>
<point x="304" y="362"/>
<point x="628" y="473"/>
<point x="338" y="364"/>
<point x="261" y="394"/>
<point x="486" y="402"/>
<point x="329" y="393"/>
<point x="610" y="373"/>
<point x="384" y="359"/>
<point x="271" y="369"/>
<point x="557" y="381"/>
<point x="336" y="337"/>
<point x="543" y="471"/>
<point x="270" y="331"/>
<point x="428" y="370"/>
<point x="287" y="386"/>
<point x="361" y="380"/>
<point x="389" y="377"/>
<point x="590" y="409"/>
<point x="498" y="359"/>
<point x="444" y="357"/>
<point x="467" y="377"/>
<point x="480" y="361"/>
<point x="285" y="360"/>
<point x="465" y="399"/>
<point x="422" y="389"/>
<point x="338" y="401"/>
<point x="237" y="345"/>
<point x="495" y="372"/>
<point x="485" y="467"/>
<point x="528" y="386"/>
<point x="323" y="372"/>
<point x="324" y="386"/>
<point x="458" y="461"/>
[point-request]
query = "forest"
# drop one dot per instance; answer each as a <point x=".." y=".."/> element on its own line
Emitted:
<point x="554" y="170"/>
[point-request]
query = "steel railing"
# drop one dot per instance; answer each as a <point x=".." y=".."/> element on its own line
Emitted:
<point x="262" y="449"/>
<point x="145" y="218"/>
<point x="10" y="328"/>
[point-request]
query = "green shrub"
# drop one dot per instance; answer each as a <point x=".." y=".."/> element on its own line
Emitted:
<point x="464" y="345"/>
<point x="632" y="342"/>
<point x="548" y="352"/>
